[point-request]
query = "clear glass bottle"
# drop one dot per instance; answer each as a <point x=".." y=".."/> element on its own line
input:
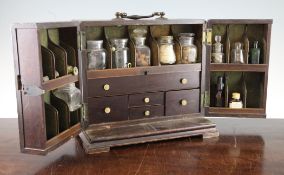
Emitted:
<point x="120" y="53"/>
<point x="143" y="52"/>
<point x="236" y="102"/>
<point x="71" y="95"/>
<point x="166" y="50"/>
<point x="96" y="54"/>
<point x="255" y="53"/>
<point x="217" y="53"/>
<point x="189" y="50"/>
<point x="220" y="101"/>
<point x="237" y="54"/>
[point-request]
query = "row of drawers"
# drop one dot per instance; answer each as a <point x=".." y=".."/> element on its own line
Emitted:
<point x="136" y="106"/>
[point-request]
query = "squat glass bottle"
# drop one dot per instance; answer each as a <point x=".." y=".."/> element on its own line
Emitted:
<point x="189" y="50"/>
<point x="142" y="51"/>
<point x="120" y="53"/>
<point x="166" y="50"/>
<point x="96" y="54"/>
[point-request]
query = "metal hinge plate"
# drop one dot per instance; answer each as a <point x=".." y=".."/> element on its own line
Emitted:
<point x="84" y="114"/>
<point x="32" y="90"/>
<point x="81" y="40"/>
<point x="207" y="36"/>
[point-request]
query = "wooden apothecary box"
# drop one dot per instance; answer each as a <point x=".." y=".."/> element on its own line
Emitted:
<point x="45" y="121"/>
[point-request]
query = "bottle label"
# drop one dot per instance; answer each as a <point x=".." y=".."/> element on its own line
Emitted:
<point x="236" y="105"/>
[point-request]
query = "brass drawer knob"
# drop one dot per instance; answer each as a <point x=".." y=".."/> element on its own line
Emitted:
<point x="147" y="113"/>
<point x="107" y="110"/>
<point x="183" y="81"/>
<point x="106" y="87"/>
<point x="146" y="99"/>
<point x="183" y="102"/>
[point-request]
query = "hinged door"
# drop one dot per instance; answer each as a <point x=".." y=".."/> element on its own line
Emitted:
<point x="46" y="58"/>
<point x="235" y="65"/>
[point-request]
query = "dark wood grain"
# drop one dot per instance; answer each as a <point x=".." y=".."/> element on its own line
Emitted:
<point x="239" y="67"/>
<point x="156" y="98"/>
<point x="244" y="112"/>
<point x="118" y="109"/>
<point x="143" y="83"/>
<point x="245" y="146"/>
<point x="174" y="98"/>
<point x="139" y="112"/>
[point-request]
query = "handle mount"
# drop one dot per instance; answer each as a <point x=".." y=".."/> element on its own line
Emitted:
<point x="120" y="15"/>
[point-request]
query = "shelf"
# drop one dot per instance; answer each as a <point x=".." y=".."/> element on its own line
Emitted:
<point x="92" y="74"/>
<point x="58" y="82"/>
<point x="244" y="112"/>
<point x="239" y="67"/>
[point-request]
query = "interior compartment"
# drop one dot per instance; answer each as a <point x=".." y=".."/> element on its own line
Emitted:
<point x="58" y="118"/>
<point x="59" y="50"/>
<point x="249" y="84"/>
<point x="244" y="33"/>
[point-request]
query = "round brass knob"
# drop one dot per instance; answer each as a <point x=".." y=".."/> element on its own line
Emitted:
<point x="106" y="87"/>
<point x="75" y="71"/>
<point x="107" y="110"/>
<point x="147" y="113"/>
<point x="183" y="81"/>
<point x="146" y="99"/>
<point x="183" y="102"/>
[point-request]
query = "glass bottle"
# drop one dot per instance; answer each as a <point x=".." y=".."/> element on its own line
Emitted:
<point x="189" y="50"/>
<point x="217" y="54"/>
<point x="237" y="54"/>
<point x="143" y="52"/>
<point x="220" y="92"/>
<point x="255" y="53"/>
<point x="96" y="54"/>
<point x="166" y="50"/>
<point x="235" y="102"/>
<point x="120" y="53"/>
<point x="71" y="95"/>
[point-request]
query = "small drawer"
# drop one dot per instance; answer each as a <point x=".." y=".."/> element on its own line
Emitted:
<point x="182" y="102"/>
<point x="108" y="109"/>
<point x="143" y="83"/>
<point x="146" y="112"/>
<point x="146" y="99"/>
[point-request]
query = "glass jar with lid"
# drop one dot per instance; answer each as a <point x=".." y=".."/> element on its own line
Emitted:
<point x="166" y="50"/>
<point x="237" y="54"/>
<point x="96" y="54"/>
<point x="217" y="54"/>
<point x="142" y="51"/>
<point x="71" y="95"/>
<point x="189" y="50"/>
<point x="120" y="53"/>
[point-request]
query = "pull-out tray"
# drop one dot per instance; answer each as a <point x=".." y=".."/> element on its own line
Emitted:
<point x="99" y="138"/>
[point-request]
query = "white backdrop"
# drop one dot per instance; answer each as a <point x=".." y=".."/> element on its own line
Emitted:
<point x="12" y="11"/>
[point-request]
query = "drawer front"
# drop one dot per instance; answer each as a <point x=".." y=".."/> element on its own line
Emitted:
<point x="146" y="99"/>
<point x="182" y="102"/>
<point x="108" y="109"/>
<point x="146" y="112"/>
<point x="143" y="83"/>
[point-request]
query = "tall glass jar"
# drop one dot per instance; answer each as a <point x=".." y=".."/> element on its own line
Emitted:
<point x="237" y="54"/>
<point x="189" y="50"/>
<point x="120" y="53"/>
<point x="217" y="54"/>
<point x="166" y="50"/>
<point x="96" y="54"/>
<point x="143" y="52"/>
<point x="71" y="95"/>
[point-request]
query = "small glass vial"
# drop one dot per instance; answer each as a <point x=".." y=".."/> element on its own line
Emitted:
<point x="189" y="50"/>
<point x="237" y="54"/>
<point x="235" y="102"/>
<point x="96" y="55"/>
<point x="71" y="95"/>
<point x="255" y="53"/>
<point x="143" y="52"/>
<point x="217" y="54"/>
<point x="166" y="50"/>
<point x="120" y="53"/>
<point x="220" y="93"/>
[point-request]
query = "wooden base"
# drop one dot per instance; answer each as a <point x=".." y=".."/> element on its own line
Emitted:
<point x="100" y="138"/>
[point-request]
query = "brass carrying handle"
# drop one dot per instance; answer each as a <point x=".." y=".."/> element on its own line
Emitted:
<point x="136" y="17"/>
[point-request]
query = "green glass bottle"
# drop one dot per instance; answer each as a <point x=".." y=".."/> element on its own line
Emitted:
<point x="255" y="53"/>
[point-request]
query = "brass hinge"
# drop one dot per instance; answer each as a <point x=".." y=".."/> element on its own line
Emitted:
<point x="205" y="99"/>
<point x="32" y="90"/>
<point x="81" y="39"/>
<point x="207" y="36"/>
<point x="84" y="115"/>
